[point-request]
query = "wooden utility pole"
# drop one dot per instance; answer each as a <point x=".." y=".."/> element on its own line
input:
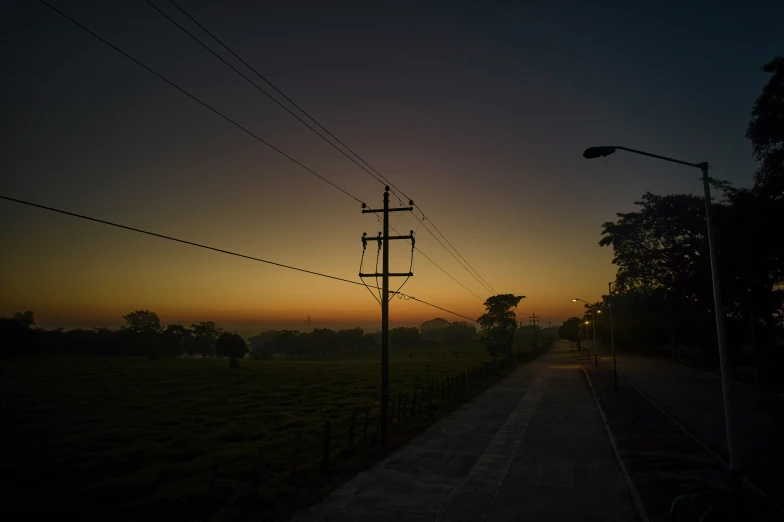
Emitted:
<point x="533" y="320"/>
<point x="385" y="296"/>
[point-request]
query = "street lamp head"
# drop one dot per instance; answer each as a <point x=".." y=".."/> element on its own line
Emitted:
<point x="575" y="300"/>
<point x="586" y="322"/>
<point x="597" y="152"/>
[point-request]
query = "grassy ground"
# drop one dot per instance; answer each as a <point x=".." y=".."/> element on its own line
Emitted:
<point x="178" y="439"/>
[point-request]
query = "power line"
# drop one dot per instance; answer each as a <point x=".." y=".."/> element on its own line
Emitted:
<point x="438" y="266"/>
<point x="194" y="98"/>
<point x="207" y="247"/>
<point x="458" y="252"/>
<point x="303" y="111"/>
<point x="486" y="286"/>
<point x="377" y="174"/>
<point x="258" y="87"/>
<point x="244" y="129"/>
<point x="444" y="309"/>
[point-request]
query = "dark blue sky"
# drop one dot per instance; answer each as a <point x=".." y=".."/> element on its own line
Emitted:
<point x="480" y="112"/>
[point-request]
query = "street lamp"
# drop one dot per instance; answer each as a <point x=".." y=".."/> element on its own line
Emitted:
<point x="593" y="326"/>
<point x="612" y="336"/>
<point x="600" y="152"/>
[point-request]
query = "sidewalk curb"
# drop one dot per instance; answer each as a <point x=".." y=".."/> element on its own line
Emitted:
<point x="747" y="385"/>
<point x="707" y="448"/>
<point x="626" y="477"/>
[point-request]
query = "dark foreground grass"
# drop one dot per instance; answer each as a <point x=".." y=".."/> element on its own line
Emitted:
<point x="192" y="439"/>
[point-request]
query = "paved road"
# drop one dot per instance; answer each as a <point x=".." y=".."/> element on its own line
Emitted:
<point x="694" y="399"/>
<point x="532" y="448"/>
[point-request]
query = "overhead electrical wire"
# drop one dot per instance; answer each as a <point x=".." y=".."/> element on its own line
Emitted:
<point x="194" y="98"/>
<point x="257" y="86"/>
<point x="214" y="249"/>
<point x="438" y="266"/>
<point x="244" y="129"/>
<point x="375" y="173"/>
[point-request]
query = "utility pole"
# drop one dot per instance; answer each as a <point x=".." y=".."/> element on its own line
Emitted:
<point x="385" y="295"/>
<point x="533" y="319"/>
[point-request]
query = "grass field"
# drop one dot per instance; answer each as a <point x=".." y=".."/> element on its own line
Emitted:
<point x="133" y="439"/>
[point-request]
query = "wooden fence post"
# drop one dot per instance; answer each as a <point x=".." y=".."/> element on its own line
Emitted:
<point x="208" y="497"/>
<point x="392" y="412"/>
<point x="327" y="436"/>
<point x="430" y="401"/>
<point x="294" y="455"/>
<point x="351" y="429"/>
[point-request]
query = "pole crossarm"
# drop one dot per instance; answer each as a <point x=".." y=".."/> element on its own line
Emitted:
<point x="377" y="210"/>
<point x="391" y="274"/>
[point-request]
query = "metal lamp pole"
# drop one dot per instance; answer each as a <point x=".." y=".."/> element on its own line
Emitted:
<point x="724" y="360"/>
<point x="595" y="350"/>
<point x="612" y="337"/>
<point x="593" y="326"/>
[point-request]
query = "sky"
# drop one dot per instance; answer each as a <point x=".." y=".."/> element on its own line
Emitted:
<point x="478" y="112"/>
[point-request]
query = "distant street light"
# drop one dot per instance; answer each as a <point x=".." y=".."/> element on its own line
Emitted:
<point x="724" y="360"/>
<point x="593" y="326"/>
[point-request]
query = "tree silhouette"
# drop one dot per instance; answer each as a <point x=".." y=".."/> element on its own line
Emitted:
<point x="570" y="330"/>
<point x="142" y="322"/>
<point x="766" y="131"/>
<point x="204" y="336"/>
<point x="144" y="327"/>
<point x="231" y="345"/>
<point x="177" y="339"/>
<point x="499" y="322"/>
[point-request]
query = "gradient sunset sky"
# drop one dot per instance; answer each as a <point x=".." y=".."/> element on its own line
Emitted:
<point x="480" y="113"/>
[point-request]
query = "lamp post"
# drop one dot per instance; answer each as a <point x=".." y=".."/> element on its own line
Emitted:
<point x="593" y="326"/>
<point x="612" y="336"/>
<point x="724" y="361"/>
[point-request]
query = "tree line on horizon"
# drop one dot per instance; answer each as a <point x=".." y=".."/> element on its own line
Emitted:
<point x="143" y="335"/>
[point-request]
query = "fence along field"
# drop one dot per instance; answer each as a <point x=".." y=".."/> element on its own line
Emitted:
<point x="191" y="439"/>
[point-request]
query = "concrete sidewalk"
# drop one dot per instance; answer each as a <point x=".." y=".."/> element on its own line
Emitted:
<point x="695" y="400"/>
<point x="532" y="447"/>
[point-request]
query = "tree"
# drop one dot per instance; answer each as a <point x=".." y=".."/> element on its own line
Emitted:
<point x="434" y="330"/>
<point x="324" y="340"/>
<point x="142" y="322"/>
<point x="499" y="322"/>
<point x="177" y="339"/>
<point x="351" y="339"/>
<point x="16" y="336"/>
<point x="25" y="319"/>
<point x="766" y="132"/>
<point x="231" y="345"/>
<point x="570" y="329"/>
<point x="204" y="336"/>
<point x="663" y="247"/>
<point x="144" y="329"/>
<point x="261" y="345"/>
<point x="459" y="332"/>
